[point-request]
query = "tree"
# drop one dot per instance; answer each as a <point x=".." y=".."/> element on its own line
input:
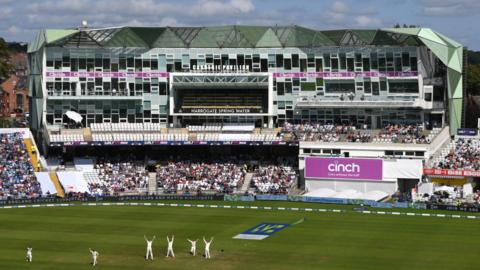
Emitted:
<point x="473" y="57"/>
<point x="473" y="79"/>
<point x="5" y="67"/>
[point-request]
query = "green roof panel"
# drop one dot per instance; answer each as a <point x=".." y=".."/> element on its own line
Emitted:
<point x="148" y="34"/>
<point x="268" y="40"/>
<point x="126" y="38"/>
<point x="53" y="35"/>
<point x="168" y="39"/>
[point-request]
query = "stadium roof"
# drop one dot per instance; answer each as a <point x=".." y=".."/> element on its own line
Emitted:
<point x="233" y="36"/>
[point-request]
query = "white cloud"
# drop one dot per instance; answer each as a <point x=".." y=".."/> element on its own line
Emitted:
<point x="242" y="5"/>
<point x="340" y="14"/>
<point x="6" y="12"/>
<point x="14" y="30"/>
<point x="339" y="7"/>
<point x="450" y="7"/>
<point x="366" y="21"/>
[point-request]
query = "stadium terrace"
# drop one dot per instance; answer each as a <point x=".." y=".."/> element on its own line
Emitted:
<point x="351" y="114"/>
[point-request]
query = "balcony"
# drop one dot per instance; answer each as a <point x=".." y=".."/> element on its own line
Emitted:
<point x="361" y="102"/>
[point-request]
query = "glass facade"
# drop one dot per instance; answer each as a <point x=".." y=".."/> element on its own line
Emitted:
<point x="133" y="85"/>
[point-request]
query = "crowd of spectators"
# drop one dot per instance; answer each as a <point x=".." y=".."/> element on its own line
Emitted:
<point x="118" y="177"/>
<point x="359" y="136"/>
<point x="316" y="132"/>
<point x="201" y="176"/>
<point x="17" y="177"/>
<point x="396" y="133"/>
<point x="464" y="156"/>
<point x="399" y="133"/>
<point x="273" y="179"/>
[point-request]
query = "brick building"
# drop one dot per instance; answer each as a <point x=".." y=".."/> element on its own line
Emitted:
<point x="14" y="90"/>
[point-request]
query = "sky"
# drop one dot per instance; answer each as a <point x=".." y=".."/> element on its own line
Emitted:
<point x="458" y="19"/>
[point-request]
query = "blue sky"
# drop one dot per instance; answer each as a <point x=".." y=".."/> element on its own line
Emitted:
<point x="458" y="19"/>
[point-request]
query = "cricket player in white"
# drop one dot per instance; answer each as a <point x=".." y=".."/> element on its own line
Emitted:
<point x="170" y="247"/>
<point x="94" y="256"/>
<point x="207" y="247"/>
<point x="29" y="254"/>
<point x="149" y="248"/>
<point x="193" y="249"/>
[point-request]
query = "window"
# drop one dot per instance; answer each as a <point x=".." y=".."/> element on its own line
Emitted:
<point x="374" y="61"/>
<point x="82" y="64"/>
<point x="138" y="64"/>
<point x="74" y="64"/>
<point x="413" y="63"/>
<point x="98" y="62"/>
<point x="406" y="59"/>
<point x="350" y="64"/>
<point x="154" y="64"/>
<point x="146" y="87"/>
<point x="367" y="87"/>
<point x="122" y="63"/>
<point x="319" y="65"/>
<point x="162" y="87"/>
<point x="58" y="64"/>
<point x="303" y="65"/>
<point x="280" y="88"/>
<point x="375" y="89"/>
<point x="288" y="88"/>
<point x="419" y="154"/>
<point x="383" y="84"/>
<point x="295" y="61"/>
<point x="146" y="63"/>
<point x="403" y="87"/>
<point x="106" y="63"/>
<point x="130" y="62"/>
<point x="339" y="87"/>
<point x="287" y="63"/>
<point x="240" y="59"/>
<point x="334" y="64"/>
<point x="279" y="60"/>
<point x="326" y="58"/>
<point x="381" y="64"/>
<point x="366" y="64"/>
<point x="263" y="65"/>
<point x="398" y="64"/>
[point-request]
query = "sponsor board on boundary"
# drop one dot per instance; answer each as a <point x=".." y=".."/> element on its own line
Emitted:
<point x="261" y="231"/>
<point x="446" y="172"/>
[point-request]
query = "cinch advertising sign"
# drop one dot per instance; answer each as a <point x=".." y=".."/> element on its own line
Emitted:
<point x="344" y="168"/>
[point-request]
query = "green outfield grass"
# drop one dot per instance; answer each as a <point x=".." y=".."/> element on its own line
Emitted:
<point x="61" y="236"/>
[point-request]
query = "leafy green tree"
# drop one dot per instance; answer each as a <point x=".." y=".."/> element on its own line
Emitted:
<point x="473" y="79"/>
<point x="5" y="67"/>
